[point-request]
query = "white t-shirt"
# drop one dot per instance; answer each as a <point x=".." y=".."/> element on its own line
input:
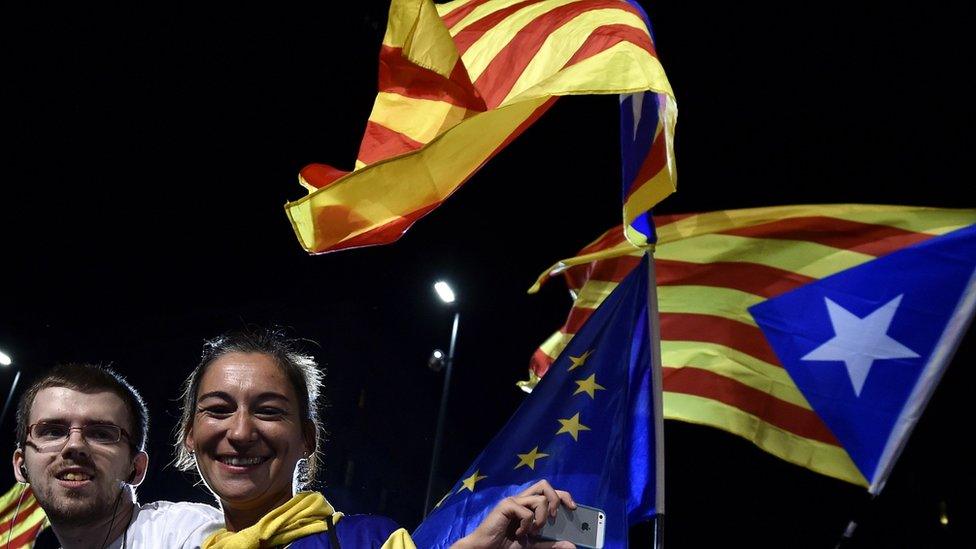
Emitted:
<point x="167" y="525"/>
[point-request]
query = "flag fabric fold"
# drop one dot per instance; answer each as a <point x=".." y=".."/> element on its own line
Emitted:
<point x="588" y="428"/>
<point x="461" y="80"/>
<point x="749" y="300"/>
<point x="21" y="518"/>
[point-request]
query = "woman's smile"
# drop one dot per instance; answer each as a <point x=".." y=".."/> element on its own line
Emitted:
<point x="247" y="432"/>
<point x="241" y="461"/>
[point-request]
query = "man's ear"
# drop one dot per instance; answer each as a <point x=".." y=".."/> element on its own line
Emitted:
<point x="140" y="464"/>
<point x="19" y="467"/>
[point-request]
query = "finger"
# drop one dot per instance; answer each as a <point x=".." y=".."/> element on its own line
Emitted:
<point x="538" y="505"/>
<point x="536" y="488"/>
<point x="566" y="498"/>
<point x="552" y="499"/>
<point x="544" y="488"/>
<point x="552" y="545"/>
<point x="531" y="501"/>
<point x="517" y="512"/>
<point x="526" y="524"/>
<point x="540" y="509"/>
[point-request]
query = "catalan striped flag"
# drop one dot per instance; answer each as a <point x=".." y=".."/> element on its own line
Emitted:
<point x="461" y="80"/>
<point x="736" y="358"/>
<point x="647" y="122"/>
<point x="21" y="518"/>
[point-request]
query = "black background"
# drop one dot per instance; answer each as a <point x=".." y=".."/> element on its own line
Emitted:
<point x="147" y="153"/>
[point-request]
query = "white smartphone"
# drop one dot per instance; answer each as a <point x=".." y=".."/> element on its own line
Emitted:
<point x="583" y="526"/>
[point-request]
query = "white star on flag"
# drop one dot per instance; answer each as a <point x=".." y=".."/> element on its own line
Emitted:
<point x="637" y="105"/>
<point x="858" y="342"/>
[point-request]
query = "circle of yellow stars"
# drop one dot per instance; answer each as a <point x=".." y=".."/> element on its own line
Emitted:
<point x="571" y="426"/>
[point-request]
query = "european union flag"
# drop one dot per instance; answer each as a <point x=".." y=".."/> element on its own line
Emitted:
<point x="588" y="427"/>
<point x="867" y="346"/>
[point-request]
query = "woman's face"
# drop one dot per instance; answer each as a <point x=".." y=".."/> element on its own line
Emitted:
<point x="247" y="432"/>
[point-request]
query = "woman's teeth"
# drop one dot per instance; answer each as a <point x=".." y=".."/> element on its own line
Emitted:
<point x="241" y="461"/>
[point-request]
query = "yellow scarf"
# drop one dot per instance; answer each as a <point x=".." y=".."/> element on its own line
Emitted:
<point x="302" y="515"/>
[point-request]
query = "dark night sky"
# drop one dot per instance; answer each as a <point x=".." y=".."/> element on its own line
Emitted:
<point x="148" y="153"/>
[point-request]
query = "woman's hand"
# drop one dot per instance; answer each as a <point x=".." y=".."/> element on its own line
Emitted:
<point x="515" y="519"/>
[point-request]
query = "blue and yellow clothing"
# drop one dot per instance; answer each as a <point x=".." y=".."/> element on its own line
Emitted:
<point x="355" y="531"/>
<point x="303" y="522"/>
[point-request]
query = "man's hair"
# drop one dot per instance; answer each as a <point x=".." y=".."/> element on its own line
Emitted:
<point x="88" y="378"/>
<point x="300" y="369"/>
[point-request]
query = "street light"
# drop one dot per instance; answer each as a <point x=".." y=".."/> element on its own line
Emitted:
<point x="6" y="361"/>
<point x="436" y="362"/>
<point x="444" y="291"/>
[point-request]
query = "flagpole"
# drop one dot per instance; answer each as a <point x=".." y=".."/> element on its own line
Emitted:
<point x="441" y="415"/>
<point x="845" y="538"/>
<point x="657" y="396"/>
<point x="10" y="397"/>
<point x="859" y="513"/>
<point x="658" y="531"/>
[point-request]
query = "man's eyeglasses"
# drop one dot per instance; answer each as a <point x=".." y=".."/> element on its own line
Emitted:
<point x="51" y="437"/>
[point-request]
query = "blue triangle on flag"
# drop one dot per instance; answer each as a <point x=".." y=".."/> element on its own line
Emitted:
<point x="856" y="343"/>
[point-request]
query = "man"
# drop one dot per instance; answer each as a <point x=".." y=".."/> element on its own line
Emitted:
<point x="81" y="434"/>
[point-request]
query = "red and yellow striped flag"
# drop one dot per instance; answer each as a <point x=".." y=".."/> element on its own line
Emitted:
<point x="719" y="370"/>
<point x="458" y="82"/>
<point x="21" y="518"/>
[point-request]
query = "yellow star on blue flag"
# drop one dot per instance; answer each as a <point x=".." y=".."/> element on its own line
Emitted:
<point x="529" y="459"/>
<point x="607" y="461"/>
<point x="588" y="386"/>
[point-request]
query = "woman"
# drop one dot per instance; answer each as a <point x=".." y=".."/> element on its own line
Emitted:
<point x="250" y="428"/>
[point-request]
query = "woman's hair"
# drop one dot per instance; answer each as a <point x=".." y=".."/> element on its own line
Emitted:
<point x="301" y="370"/>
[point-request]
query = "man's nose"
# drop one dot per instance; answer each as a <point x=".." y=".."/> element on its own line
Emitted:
<point x="75" y="443"/>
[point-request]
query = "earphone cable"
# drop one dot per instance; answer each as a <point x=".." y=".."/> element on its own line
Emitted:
<point x="20" y="500"/>
<point x="115" y="510"/>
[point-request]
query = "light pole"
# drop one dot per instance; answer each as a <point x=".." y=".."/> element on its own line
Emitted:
<point x="6" y="361"/>
<point x="436" y="362"/>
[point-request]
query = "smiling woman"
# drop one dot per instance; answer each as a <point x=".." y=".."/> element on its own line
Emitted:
<point x="248" y="434"/>
<point x="250" y="428"/>
<point x="255" y="397"/>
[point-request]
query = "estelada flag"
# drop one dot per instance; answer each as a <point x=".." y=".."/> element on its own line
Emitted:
<point x="816" y="332"/>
